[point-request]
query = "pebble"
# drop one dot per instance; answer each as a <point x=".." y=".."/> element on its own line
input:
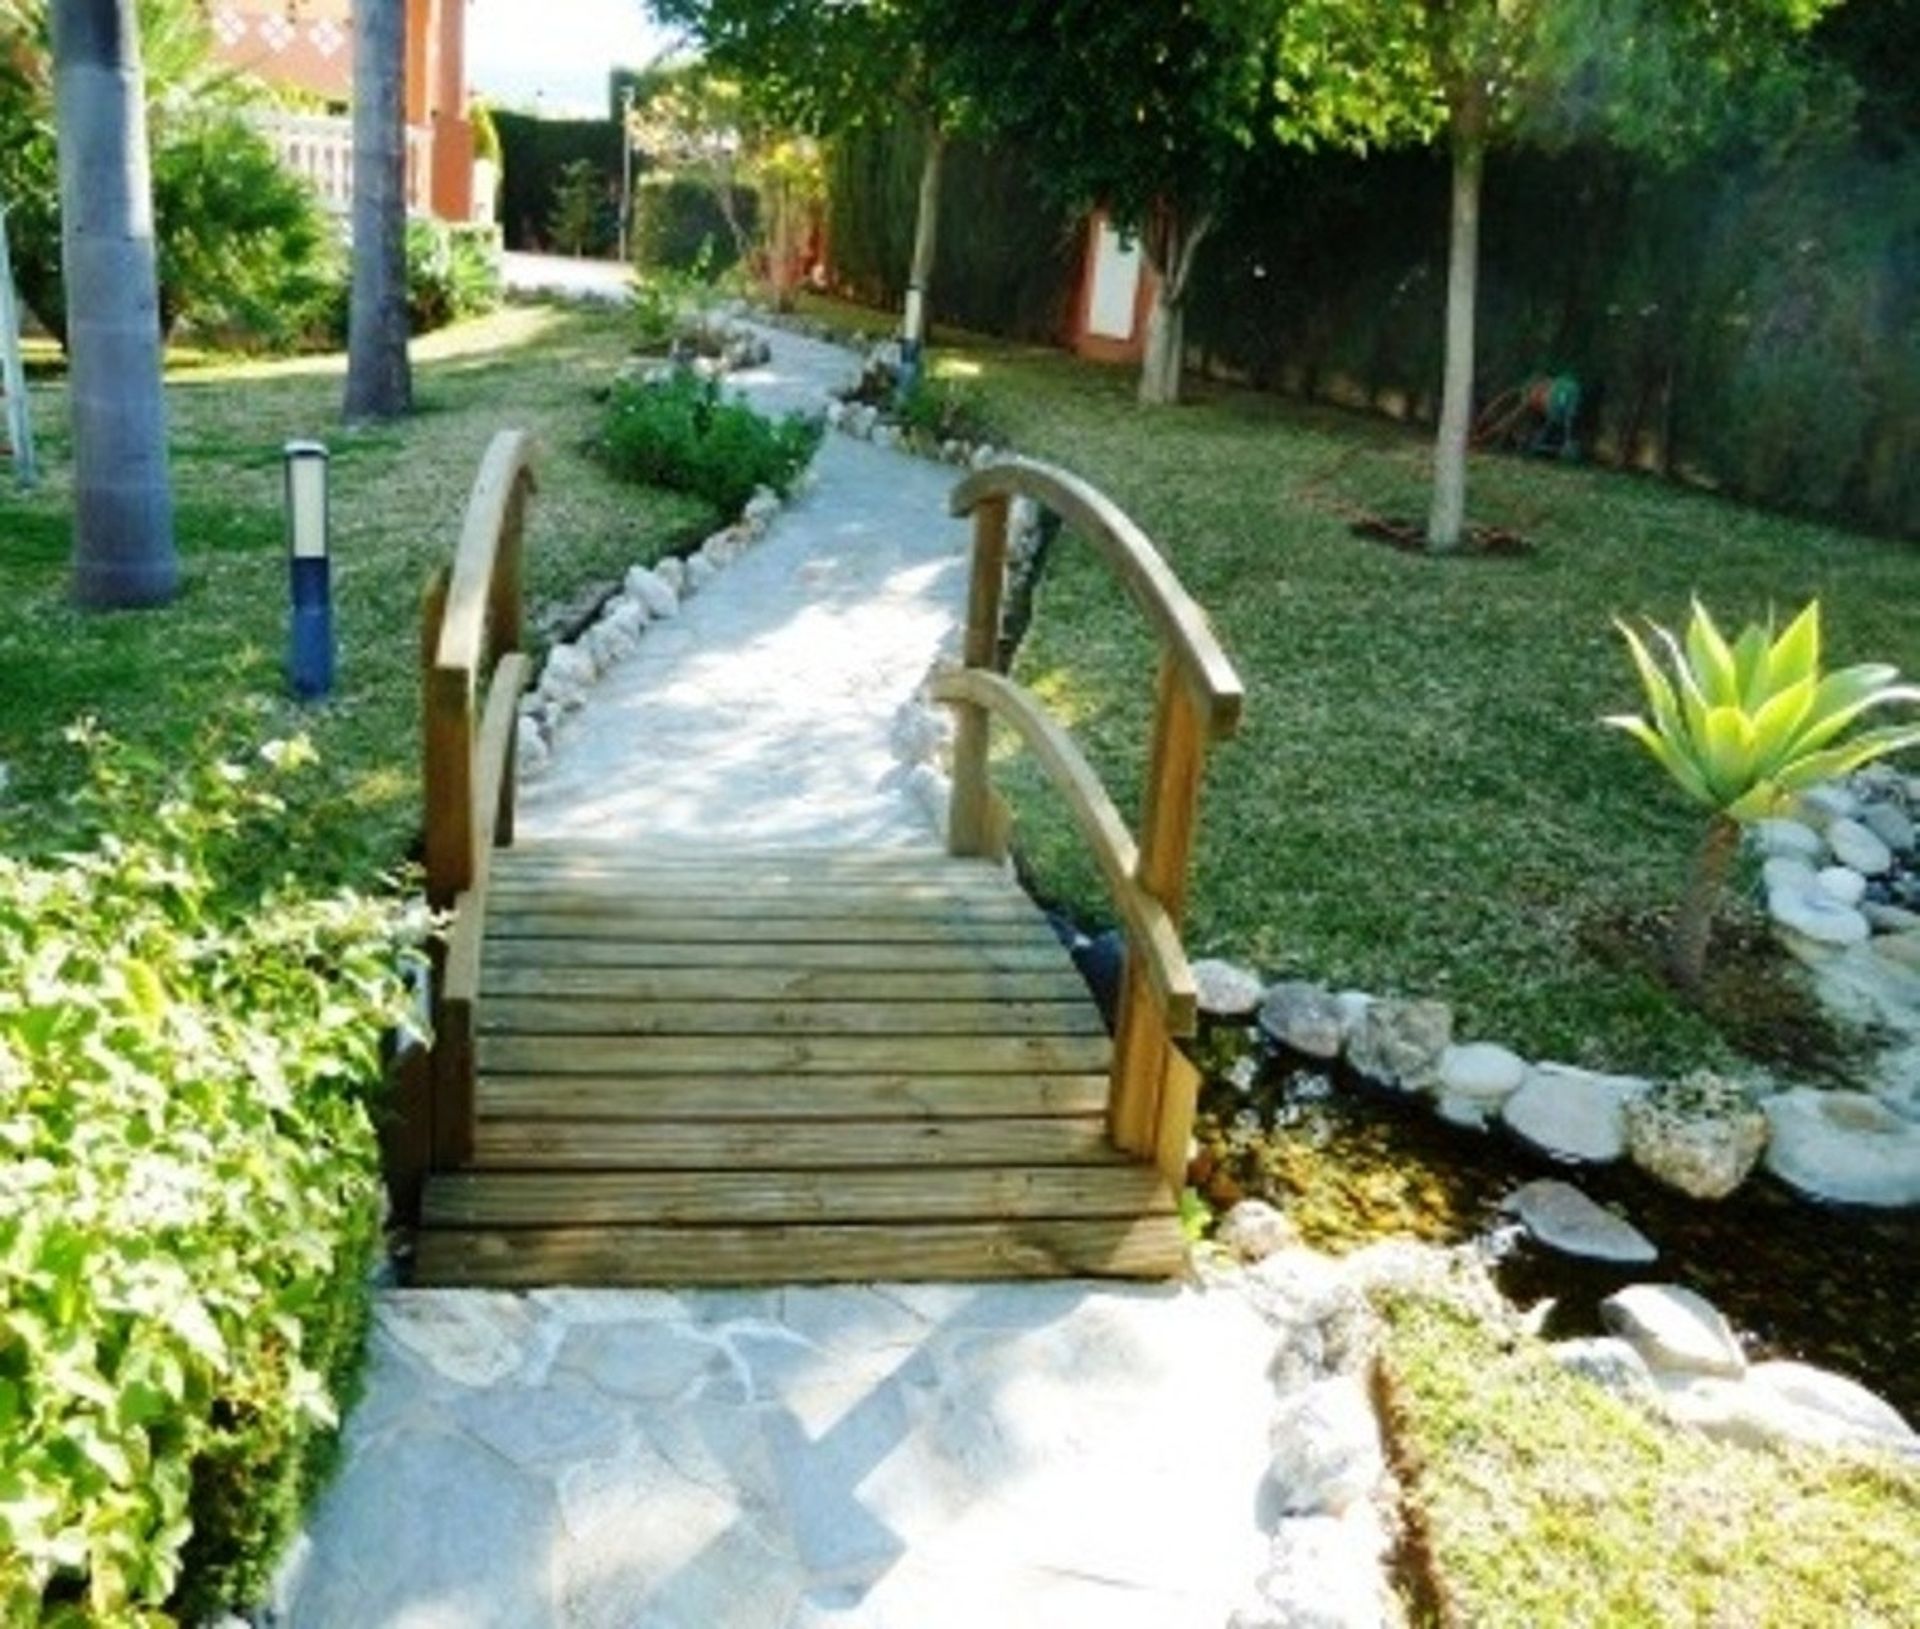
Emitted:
<point x="1561" y="1217"/>
<point x="1855" y="845"/>
<point x="1482" y="1071"/>
<point x="1789" y="837"/>
<point x="1842" y="884"/>
<point x="1573" y="1113"/>
<point x="1891" y="824"/>
<point x="1226" y="989"/>
<point x="1302" y="1016"/>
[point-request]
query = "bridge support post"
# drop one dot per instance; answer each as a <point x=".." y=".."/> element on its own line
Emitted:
<point x="972" y="828"/>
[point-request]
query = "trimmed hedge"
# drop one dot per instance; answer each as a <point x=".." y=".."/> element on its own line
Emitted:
<point x="533" y="155"/>
<point x="190" y="1199"/>
<point x="679" y="226"/>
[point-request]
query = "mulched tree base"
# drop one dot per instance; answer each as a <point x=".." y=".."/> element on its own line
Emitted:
<point x="1410" y="536"/>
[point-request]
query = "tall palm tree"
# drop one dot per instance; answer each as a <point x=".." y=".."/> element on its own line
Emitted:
<point x="379" y="380"/>
<point x="123" y="553"/>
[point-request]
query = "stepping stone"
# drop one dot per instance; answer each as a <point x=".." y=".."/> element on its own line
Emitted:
<point x="1561" y="1217"/>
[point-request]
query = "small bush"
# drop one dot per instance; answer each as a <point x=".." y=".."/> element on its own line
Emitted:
<point x="944" y="410"/>
<point x="189" y="1194"/>
<point x="678" y="432"/>
<point x="453" y="272"/>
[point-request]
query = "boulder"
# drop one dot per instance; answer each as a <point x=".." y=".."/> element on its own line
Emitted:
<point x="1842" y="884"/>
<point x="1779" y="1404"/>
<point x="1573" y="1113"/>
<point x="1789" y="837"/>
<point x="1326" y="1448"/>
<point x="1302" y="1016"/>
<point x="1674" y="1329"/>
<point x="1253" y="1230"/>
<point x="1856" y="845"/>
<point x="1400" y="1043"/>
<point x="1482" y="1071"/>
<point x="1891" y="824"/>
<point x="1844" y="1146"/>
<point x="1846" y="1404"/>
<point x="1226" y="989"/>
<point x="1561" y="1217"/>
<point x="1702" y="1135"/>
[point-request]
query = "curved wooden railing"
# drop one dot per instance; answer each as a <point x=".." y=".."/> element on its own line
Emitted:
<point x="471" y="620"/>
<point x="1151" y="1103"/>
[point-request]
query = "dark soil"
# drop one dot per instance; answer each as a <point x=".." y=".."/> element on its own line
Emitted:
<point x="1410" y="536"/>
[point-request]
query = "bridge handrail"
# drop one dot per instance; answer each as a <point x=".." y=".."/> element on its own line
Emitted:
<point x="1199" y="701"/>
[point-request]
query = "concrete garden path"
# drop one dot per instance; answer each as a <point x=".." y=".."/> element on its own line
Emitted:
<point x="1030" y="1456"/>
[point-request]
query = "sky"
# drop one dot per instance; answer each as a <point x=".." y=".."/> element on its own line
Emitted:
<point x="554" y="55"/>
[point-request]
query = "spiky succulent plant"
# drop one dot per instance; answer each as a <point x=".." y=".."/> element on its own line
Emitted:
<point x="1742" y="727"/>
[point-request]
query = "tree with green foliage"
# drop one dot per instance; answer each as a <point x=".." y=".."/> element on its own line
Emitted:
<point x="1654" y="77"/>
<point x="578" y="197"/>
<point x="825" y="69"/>
<point x="123" y="549"/>
<point x="1151" y="113"/>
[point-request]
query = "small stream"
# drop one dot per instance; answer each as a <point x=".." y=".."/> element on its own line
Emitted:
<point x="1349" y="1163"/>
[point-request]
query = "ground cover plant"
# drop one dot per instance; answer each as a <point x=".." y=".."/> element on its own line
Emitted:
<point x="1537" y="1497"/>
<point x="1421" y="800"/>
<point x="398" y="496"/>
<point x="190" y="1201"/>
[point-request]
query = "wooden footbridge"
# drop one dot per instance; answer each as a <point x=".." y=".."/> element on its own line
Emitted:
<point x="737" y="1066"/>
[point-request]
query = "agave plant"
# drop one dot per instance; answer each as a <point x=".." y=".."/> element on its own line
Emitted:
<point x="1742" y="728"/>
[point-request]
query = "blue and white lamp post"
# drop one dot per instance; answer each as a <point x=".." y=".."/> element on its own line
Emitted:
<point x="310" y="629"/>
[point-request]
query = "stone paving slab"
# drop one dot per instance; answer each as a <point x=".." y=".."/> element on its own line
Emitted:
<point x="762" y="713"/>
<point x="875" y="1457"/>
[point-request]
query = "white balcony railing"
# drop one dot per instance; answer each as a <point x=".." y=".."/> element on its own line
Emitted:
<point x="318" y="147"/>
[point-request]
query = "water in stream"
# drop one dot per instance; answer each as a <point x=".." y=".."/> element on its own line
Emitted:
<point x="1349" y="1163"/>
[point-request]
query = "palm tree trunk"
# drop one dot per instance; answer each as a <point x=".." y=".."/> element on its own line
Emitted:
<point x="123" y="550"/>
<point x="1448" y="514"/>
<point x="1693" y="928"/>
<point x="379" y="379"/>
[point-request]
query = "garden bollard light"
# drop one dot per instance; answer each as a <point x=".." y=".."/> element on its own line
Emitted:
<point x="310" y="629"/>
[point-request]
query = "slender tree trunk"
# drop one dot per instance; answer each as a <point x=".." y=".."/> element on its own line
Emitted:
<point x="123" y="551"/>
<point x="379" y="379"/>
<point x="1449" y="512"/>
<point x="1171" y="257"/>
<point x="926" y="233"/>
<point x="1693" y="928"/>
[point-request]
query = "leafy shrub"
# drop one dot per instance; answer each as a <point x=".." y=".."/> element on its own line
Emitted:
<point x="680" y="224"/>
<point x="944" y="410"/>
<point x="453" y="272"/>
<point x="679" y="432"/>
<point x="663" y="300"/>
<point x="189" y="1193"/>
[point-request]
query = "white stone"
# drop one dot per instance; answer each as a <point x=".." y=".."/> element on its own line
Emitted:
<point x="1816" y="916"/>
<point x="1301" y="1015"/>
<point x="1849" y="1405"/>
<point x="1855" y="845"/>
<point x="1674" y="1329"/>
<point x="1701" y="1135"/>
<point x="1560" y="1216"/>
<point x="1573" y="1113"/>
<point x="1842" y="884"/>
<point x="1350" y="1006"/>
<point x="570" y="663"/>
<point x="1829" y="803"/>
<point x="983" y="455"/>
<point x="1789" y="837"/>
<point x="1399" y="1044"/>
<point x="532" y="754"/>
<point x="672" y="571"/>
<point x="1326" y="1448"/>
<point x="1482" y="1071"/>
<point x="1787" y="871"/>
<point x="1606" y="1360"/>
<point x="1902" y="949"/>
<point x="1226" y="989"/>
<point x="1890" y="918"/>
<point x="886" y="436"/>
<point x="1845" y="1146"/>
<point x="653" y="591"/>
<point x="1468" y="1113"/>
<point x="700" y="572"/>
<point x="1253" y="1230"/>
<point x="1769" y="1409"/>
<point x="1323" y="1572"/>
<point x="1891" y="824"/>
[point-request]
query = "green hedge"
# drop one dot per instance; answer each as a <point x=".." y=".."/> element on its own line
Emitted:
<point x="190" y="1200"/>
<point x="533" y="153"/>
<point x="678" y="225"/>
<point x="1005" y="259"/>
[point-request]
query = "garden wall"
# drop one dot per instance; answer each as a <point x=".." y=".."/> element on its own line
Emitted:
<point x="1751" y="328"/>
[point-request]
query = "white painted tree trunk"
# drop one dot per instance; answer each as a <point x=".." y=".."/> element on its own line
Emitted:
<point x="1447" y="517"/>
<point x="1171" y="257"/>
<point x="123" y="549"/>
<point x="926" y="234"/>
<point x="379" y="377"/>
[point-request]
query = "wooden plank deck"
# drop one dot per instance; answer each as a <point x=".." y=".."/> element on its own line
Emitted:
<point x="783" y="1067"/>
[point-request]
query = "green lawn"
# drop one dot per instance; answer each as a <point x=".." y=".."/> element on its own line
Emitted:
<point x="1422" y="800"/>
<point x="1538" y="1498"/>
<point x="398" y="497"/>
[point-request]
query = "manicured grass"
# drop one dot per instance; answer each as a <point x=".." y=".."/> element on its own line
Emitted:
<point x="1422" y="800"/>
<point x="1539" y="1498"/>
<point x="398" y="497"/>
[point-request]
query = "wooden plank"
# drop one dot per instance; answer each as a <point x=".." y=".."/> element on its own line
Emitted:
<point x="781" y="983"/>
<point x="750" y="1198"/>
<point x="1147" y="1247"/>
<point x="969" y="817"/>
<point x="703" y="929"/>
<point x="789" y="1145"/>
<point x="576" y="1015"/>
<point x="752" y="906"/>
<point x="795" y="1055"/>
<point x="493" y="759"/>
<point x="814" y="1097"/>
<point x="760" y="864"/>
<point x="446" y="746"/>
<point x="955" y="956"/>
